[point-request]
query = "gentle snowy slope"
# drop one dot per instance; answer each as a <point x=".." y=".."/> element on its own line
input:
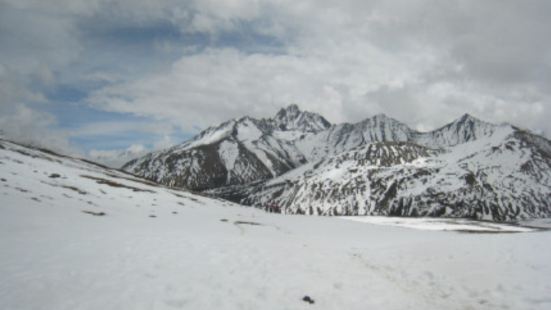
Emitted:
<point x="200" y="253"/>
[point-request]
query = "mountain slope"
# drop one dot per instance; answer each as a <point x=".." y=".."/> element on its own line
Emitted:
<point x="465" y="129"/>
<point x="248" y="150"/>
<point x="236" y="152"/>
<point x="343" y="137"/>
<point x="51" y="179"/>
<point x="505" y="176"/>
<point x="468" y="168"/>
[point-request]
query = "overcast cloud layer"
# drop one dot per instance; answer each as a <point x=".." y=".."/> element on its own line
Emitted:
<point x="95" y="76"/>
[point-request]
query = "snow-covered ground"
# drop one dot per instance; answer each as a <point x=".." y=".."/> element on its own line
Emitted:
<point x="445" y="224"/>
<point x="156" y="248"/>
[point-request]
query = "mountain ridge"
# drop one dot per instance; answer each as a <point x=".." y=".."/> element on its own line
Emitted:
<point x="281" y="143"/>
<point x="466" y="168"/>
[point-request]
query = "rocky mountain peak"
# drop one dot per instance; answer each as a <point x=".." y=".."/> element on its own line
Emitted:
<point x="291" y="110"/>
<point x="470" y="123"/>
<point x="293" y="118"/>
<point x="464" y="129"/>
<point x="468" y="119"/>
<point x="383" y="118"/>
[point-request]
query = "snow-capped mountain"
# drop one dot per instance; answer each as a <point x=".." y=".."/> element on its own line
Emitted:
<point x="246" y="150"/>
<point x="343" y="137"/>
<point x="379" y="166"/>
<point x="293" y="119"/>
<point x="465" y="129"/>
<point x="239" y="151"/>
<point x="381" y="128"/>
<point x="504" y="176"/>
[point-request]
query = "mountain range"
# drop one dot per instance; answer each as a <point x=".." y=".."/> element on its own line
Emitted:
<point x="302" y="163"/>
<point x="77" y="235"/>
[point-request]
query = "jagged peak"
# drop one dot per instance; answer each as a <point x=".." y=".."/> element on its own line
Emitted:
<point x="467" y="117"/>
<point x="464" y="120"/>
<point x="292" y="117"/>
<point x="245" y="119"/>
<point x="290" y="111"/>
<point x="381" y="118"/>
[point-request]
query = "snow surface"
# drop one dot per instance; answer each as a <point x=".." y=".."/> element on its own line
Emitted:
<point x="439" y="224"/>
<point x="209" y="136"/>
<point x="288" y="135"/>
<point x="248" y="131"/>
<point x="202" y="253"/>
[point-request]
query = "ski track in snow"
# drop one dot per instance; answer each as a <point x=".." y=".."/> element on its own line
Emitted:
<point x="201" y="253"/>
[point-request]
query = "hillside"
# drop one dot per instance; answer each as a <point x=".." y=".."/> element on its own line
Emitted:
<point x="76" y="235"/>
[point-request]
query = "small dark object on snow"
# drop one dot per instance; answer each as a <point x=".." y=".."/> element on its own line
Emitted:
<point x="174" y="212"/>
<point x="55" y="175"/>
<point x="152" y="215"/>
<point x="3" y="180"/>
<point x="247" y="223"/>
<point x="223" y="220"/>
<point x="94" y="213"/>
<point x="115" y="184"/>
<point x="74" y="189"/>
<point x="272" y="208"/>
<point x="307" y="299"/>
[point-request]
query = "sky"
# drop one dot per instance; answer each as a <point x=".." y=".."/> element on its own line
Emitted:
<point x="99" y="77"/>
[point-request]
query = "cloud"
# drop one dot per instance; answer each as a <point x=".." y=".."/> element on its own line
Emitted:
<point x="191" y="64"/>
<point x="108" y="128"/>
<point x="420" y="61"/>
<point x="117" y="158"/>
<point x="208" y="87"/>
<point x="20" y="123"/>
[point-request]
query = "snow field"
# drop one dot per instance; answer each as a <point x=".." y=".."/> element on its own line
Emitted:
<point x="202" y="253"/>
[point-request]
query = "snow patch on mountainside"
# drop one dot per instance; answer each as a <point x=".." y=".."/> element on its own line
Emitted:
<point x="228" y="151"/>
<point x="288" y="135"/>
<point x="248" y="131"/>
<point x="211" y="135"/>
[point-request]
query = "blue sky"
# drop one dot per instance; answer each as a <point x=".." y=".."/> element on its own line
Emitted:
<point x="100" y="77"/>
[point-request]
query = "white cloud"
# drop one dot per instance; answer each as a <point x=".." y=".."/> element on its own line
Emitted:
<point x="421" y="61"/>
<point x="23" y="124"/>
<point x="117" y="158"/>
<point x="111" y="128"/>
<point x="205" y="88"/>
